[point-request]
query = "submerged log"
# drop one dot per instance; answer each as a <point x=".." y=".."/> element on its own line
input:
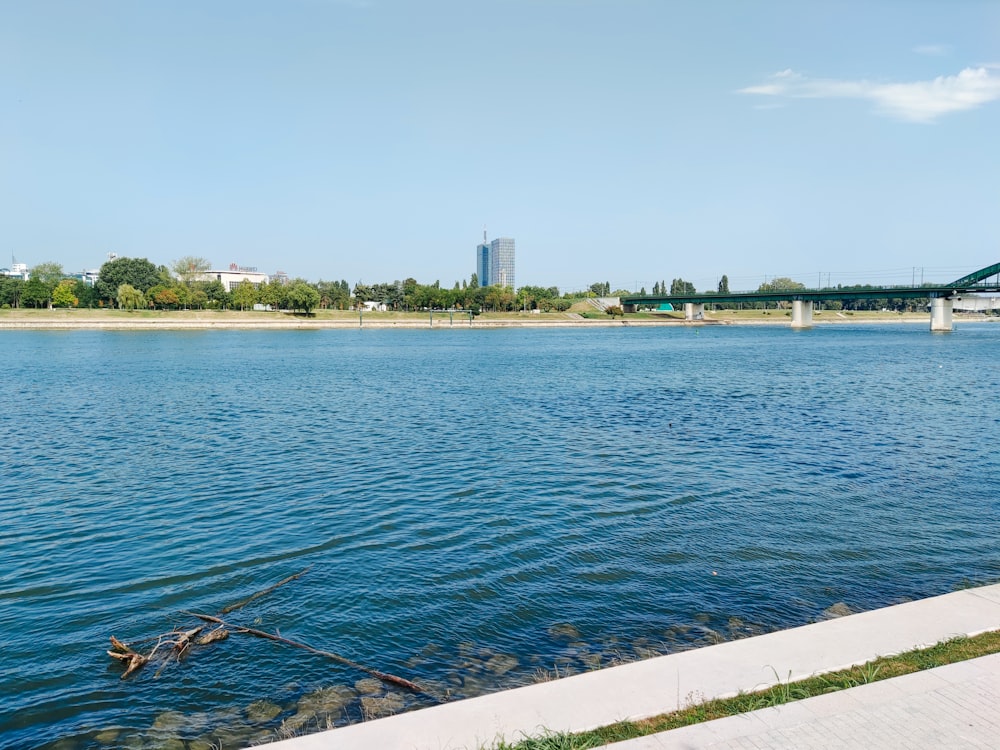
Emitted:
<point x="219" y="634"/>
<point x="179" y="642"/>
<point x="263" y="592"/>
<point x="383" y="676"/>
<point x="184" y="640"/>
<point x="123" y="652"/>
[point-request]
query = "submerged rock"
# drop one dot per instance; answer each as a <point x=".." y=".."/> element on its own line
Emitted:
<point x="376" y="708"/>
<point x="170" y="721"/>
<point x="330" y="700"/>
<point x="368" y="686"/>
<point x="837" y="610"/>
<point x="647" y="652"/>
<point x="261" y="712"/>
<point x="564" y="630"/>
<point x="501" y="664"/>
<point x="319" y="710"/>
<point x="228" y="737"/>
<point x="473" y="686"/>
<point x="107" y="737"/>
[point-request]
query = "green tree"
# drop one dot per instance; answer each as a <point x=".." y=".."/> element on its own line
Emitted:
<point x="474" y="281"/>
<point x="724" y="284"/>
<point x="199" y="299"/>
<point x="85" y="294"/>
<point x="36" y="293"/>
<point x="10" y="290"/>
<point x="49" y="273"/>
<point x="130" y="298"/>
<point x="302" y="296"/>
<point x="500" y="298"/>
<point x="780" y="284"/>
<point x="190" y="269"/>
<point x="217" y="295"/>
<point x="245" y="295"/>
<point x="680" y="286"/>
<point x="138" y="273"/>
<point x="275" y="294"/>
<point x="63" y="295"/>
<point x="166" y="298"/>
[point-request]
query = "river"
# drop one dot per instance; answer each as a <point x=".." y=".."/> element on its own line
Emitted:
<point x="473" y="509"/>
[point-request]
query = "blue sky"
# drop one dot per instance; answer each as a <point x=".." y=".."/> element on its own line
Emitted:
<point x="626" y="141"/>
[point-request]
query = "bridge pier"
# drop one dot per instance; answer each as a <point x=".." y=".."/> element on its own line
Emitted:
<point x="941" y="313"/>
<point x="802" y="313"/>
<point x="694" y="311"/>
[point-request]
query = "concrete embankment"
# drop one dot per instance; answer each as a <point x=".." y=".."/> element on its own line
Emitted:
<point x="666" y="683"/>
<point x="196" y="320"/>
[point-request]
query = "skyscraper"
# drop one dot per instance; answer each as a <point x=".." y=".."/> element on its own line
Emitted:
<point x="502" y="262"/>
<point x="495" y="262"/>
<point x="483" y="262"/>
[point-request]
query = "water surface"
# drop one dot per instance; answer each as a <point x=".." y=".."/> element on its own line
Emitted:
<point x="477" y="508"/>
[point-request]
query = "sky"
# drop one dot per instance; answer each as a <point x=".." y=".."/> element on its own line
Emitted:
<point x="627" y="141"/>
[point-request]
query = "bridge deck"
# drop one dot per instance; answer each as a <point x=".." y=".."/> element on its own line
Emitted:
<point x="811" y="295"/>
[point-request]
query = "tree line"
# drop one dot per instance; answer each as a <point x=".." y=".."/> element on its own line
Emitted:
<point x="136" y="283"/>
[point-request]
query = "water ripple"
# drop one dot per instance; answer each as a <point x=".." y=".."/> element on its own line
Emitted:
<point x="475" y="510"/>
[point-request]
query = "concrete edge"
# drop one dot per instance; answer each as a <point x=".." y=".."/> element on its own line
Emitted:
<point x="642" y="689"/>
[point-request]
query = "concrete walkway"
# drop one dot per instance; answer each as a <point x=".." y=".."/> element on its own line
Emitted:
<point x="912" y="711"/>
<point x="956" y="706"/>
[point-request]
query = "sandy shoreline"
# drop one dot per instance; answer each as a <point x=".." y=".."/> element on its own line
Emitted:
<point x="60" y="320"/>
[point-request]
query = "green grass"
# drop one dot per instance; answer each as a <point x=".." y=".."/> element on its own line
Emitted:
<point x="885" y="667"/>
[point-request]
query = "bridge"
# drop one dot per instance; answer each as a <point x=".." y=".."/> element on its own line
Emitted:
<point x="942" y="298"/>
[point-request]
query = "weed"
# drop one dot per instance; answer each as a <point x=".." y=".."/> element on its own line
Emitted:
<point x="696" y="709"/>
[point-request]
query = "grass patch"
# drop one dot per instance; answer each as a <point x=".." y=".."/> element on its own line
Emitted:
<point x="882" y="668"/>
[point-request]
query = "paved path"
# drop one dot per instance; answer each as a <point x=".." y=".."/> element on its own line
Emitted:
<point x="957" y="706"/>
<point x="665" y="683"/>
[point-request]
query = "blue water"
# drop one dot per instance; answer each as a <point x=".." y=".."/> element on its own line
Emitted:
<point x="476" y="508"/>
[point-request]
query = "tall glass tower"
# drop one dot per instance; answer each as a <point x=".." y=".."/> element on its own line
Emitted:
<point x="483" y="262"/>
<point x="502" y="262"/>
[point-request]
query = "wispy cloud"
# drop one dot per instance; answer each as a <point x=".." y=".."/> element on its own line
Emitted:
<point x="932" y="50"/>
<point x="916" y="101"/>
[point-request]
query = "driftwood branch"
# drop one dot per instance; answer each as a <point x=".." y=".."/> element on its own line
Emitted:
<point x="124" y="652"/>
<point x="264" y="592"/>
<point x="383" y="676"/>
<point x="177" y="643"/>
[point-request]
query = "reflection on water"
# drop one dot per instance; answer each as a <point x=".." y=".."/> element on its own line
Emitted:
<point x="478" y="509"/>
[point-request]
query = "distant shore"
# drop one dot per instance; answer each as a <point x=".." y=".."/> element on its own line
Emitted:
<point x="72" y="319"/>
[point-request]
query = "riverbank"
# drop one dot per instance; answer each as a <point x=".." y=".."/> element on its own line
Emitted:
<point x="69" y="319"/>
<point x="668" y="683"/>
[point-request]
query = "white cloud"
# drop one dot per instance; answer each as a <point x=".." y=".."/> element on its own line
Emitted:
<point x="932" y="50"/>
<point x="918" y="101"/>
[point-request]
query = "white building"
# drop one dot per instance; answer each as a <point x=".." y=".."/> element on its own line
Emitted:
<point x="235" y="276"/>
<point x="16" y="271"/>
<point x="88" y="276"/>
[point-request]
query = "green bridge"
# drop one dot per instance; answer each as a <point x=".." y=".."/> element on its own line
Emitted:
<point x="942" y="298"/>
